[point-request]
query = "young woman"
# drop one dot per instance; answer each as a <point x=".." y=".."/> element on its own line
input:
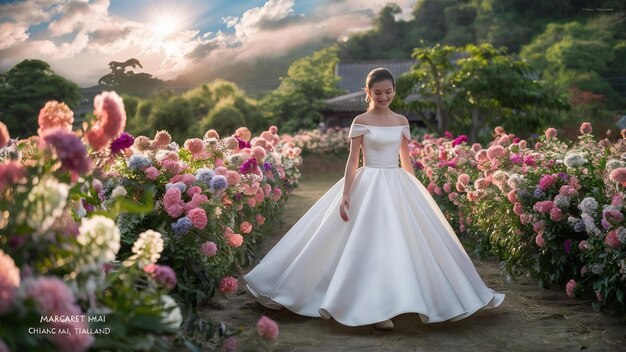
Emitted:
<point x="376" y="245"/>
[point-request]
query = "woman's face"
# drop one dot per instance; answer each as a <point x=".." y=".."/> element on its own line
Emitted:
<point x="382" y="93"/>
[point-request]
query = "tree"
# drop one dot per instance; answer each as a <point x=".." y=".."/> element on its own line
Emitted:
<point x="296" y="103"/>
<point x="25" y="89"/>
<point x="471" y="86"/>
<point x="129" y="82"/>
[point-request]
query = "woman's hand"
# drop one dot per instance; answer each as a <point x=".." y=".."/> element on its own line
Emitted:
<point x="344" y="207"/>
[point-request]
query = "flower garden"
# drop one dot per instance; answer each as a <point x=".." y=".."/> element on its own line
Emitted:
<point x="109" y="240"/>
<point x="129" y="235"/>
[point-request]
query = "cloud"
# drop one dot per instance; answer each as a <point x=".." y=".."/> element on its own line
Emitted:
<point x="81" y="37"/>
<point x="12" y="34"/>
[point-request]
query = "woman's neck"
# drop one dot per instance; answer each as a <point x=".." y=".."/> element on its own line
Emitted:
<point x="381" y="111"/>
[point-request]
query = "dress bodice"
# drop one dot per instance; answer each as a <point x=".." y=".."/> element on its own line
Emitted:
<point x="380" y="143"/>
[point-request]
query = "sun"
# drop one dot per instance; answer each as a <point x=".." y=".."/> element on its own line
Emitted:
<point x="166" y="25"/>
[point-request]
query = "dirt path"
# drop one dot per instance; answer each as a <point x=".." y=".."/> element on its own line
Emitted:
<point x="529" y="319"/>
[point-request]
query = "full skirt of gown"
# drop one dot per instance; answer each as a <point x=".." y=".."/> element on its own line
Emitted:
<point x="396" y="254"/>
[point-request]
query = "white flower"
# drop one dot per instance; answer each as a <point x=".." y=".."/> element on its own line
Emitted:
<point x="590" y="225"/>
<point x="46" y="202"/>
<point x="100" y="238"/>
<point x="574" y="160"/>
<point x="148" y="246"/>
<point x="561" y="201"/>
<point x="173" y="318"/>
<point x="614" y="164"/>
<point x="516" y="181"/>
<point x="118" y="191"/>
<point x="588" y="205"/>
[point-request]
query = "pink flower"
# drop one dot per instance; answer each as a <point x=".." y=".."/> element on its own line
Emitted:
<point x="481" y="183"/>
<point x="212" y="134"/>
<point x="55" y="115"/>
<point x="512" y="196"/>
<point x="567" y="191"/>
<point x="276" y="194"/>
<point x="259" y="196"/>
<point x="198" y="218"/>
<point x="464" y="179"/>
<point x="97" y="139"/>
<point x="618" y="175"/>
<point x="194" y="145"/>
<point x="245" y="227"/>
<point x="453" y="196"/>
<point x="267" y="328"/>
<point x="482" y="155"/>
<point x="539" y="226"/>
<point x="221" y="170"/>
<point x="51" y="295"/>
<point x="547" y="181"/>
<point x="208" y="248"/>
<point x="109" y="108"/>
<point x="517" y="208"/>
<point x="9" y="281"/>
<point x="447" y="187"/>
<point x="10" y="173"/>
<point x="585" y="128"/>
<point x="612" y="240"/>
<point x="273" y="129"/>
<point x="495" y="152"/>
<point x="551" y="133"/>
<point x="233" y="177"/>
<point x="584" y="270"/>
<point x="438" y="191"/>
<point x="197" y="199"/>
<point x="194" y="190"/>
<point x="70" y="151"/>
<point x="173" y="203"/>
<point x="4" y="135"/>
<point x="598" y="294"/>
<point x="187" y="179"/>
<point x="460" y="187"/>
<point x="162" y="139"/>
<point x="556" y="214"/>
<point x="152" y="173"/>
<point x="243" y="133"/>
<point x="260" y="219"/>
<point x="431" y="187"/>
<point x="234" y="239"/>
<point x="476" y="147"/>
<point x="540" y="241"/>
<point x="258" y="153"/>
<point x="543" y="207"/>
<point x="582" y="245"/>
<point x="228" y="285"/>
<point x="570" y="287"/>
<point x="230" y="344"/>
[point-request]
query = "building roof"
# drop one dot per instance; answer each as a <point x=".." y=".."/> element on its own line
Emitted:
<point x="352" y="75"/>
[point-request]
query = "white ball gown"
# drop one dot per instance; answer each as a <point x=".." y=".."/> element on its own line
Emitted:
<point x="396" y="254"/>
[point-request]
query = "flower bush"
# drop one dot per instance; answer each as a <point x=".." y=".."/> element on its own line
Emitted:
<point x="554" y="210"/>
<point x="108" y="225"/>
<point x="333" y="140"/>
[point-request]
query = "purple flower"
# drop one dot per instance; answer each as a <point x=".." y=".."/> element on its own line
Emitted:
<point x="70" y="150"/>
<point x="563" y="176"/>
<point x="88" y="207"/>
<point x="516" y="159"/>
<point x="237" y="196"/>
<point x="567" y="246"/>
<point x="248" y="166"/>
<point x="124" y="141"/>
<point x="418" y="165"/>
<point x="458" y="140"/>
<point x="267" y="166"/>
<point x="546" y="182"/>
<point x="528" y="160"/>
<point x="242" y="143"/>
<point x="182" y="226"/>
<point x="164" y="275"/>
<point x="218" y="183"/>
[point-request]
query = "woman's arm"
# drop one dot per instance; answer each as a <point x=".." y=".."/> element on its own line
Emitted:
<point x="352" y="164"/>
<point x="405" y="159"/>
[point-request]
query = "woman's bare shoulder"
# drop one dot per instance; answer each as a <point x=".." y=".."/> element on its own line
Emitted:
<point x="362" y="118"/>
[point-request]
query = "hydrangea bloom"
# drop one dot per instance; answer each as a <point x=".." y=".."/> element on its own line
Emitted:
<point x="574" y="160"/>
<point x="198" y="218"/>
<point x="101" y="239"/>
<point x="208" y="248"/>
<point x="9" y="281"/>
<point x="55" y="115"/>
<point x="204" y="176"/>
<point x="182" y="226"/>
<point x="267" y="328"/>
<point x="69" y="150"/>
<point x="218" y="183"/>
<point x="47" y="200"/>
<point x="122" y="142"/>
<point x="148" y="247"/>
<point x="228" y="285"/>
<point x="138" y="162"/>
<point x="180" y="185"/>
<point x="588" y="205"/>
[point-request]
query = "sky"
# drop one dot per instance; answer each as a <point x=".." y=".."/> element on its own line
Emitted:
<point x="78" y="38"/>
